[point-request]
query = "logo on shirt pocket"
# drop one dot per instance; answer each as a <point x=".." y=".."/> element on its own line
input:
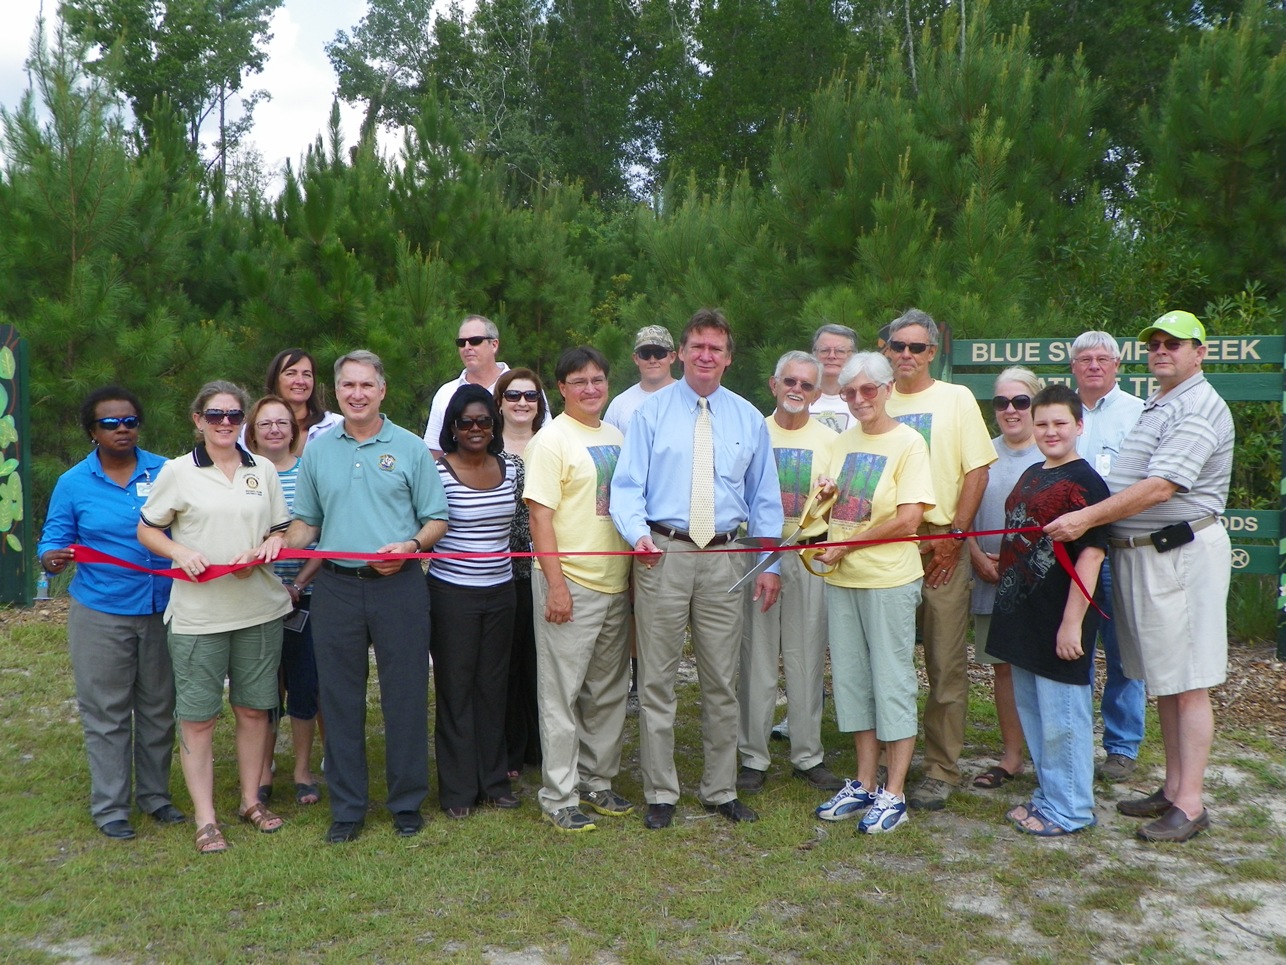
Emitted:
<point x="388" y="462"/>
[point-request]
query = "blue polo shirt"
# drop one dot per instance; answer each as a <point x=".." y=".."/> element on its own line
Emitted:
<point x="364" y="495"/>
<point x="90" y="509"/>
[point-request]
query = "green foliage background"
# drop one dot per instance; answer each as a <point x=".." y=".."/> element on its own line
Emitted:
<point x="791" y="163"/>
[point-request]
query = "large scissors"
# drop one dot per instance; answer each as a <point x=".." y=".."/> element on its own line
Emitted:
<point x="815" y="510"/>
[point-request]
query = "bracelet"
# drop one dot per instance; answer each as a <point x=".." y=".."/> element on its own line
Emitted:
<point x="418" y="547"/>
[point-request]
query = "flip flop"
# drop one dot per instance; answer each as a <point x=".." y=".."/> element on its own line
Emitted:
<point x="992" y="778"/>
<point x="1046" y="829"/>
<point x="307" y="794"/>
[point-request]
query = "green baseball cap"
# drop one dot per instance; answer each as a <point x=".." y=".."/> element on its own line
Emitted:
<point x="1178" y="324"/>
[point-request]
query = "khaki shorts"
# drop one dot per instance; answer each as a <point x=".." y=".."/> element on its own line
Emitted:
<point x="1172" y="612"/>
<point x="248" y="658"/>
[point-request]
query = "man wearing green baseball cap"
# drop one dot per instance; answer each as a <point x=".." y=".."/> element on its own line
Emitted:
<point x="1171" y="563"/>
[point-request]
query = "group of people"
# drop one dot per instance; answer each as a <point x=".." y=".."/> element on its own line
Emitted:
<point x="622" y="506"/>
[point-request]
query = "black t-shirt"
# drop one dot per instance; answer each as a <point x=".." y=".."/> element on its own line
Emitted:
<point x="1032" y="593"/>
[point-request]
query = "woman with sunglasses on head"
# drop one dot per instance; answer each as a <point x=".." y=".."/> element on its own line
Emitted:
<point x="272" y="432"/>
<point x="472" y="607"/>
<point x="115" y="630"/>
<point x="221" y="505"/>
<point x="292" y="378"/>
<point x="521" y="400"/>
<point x="1015" y="450"/>
<point x="879" y="473"/>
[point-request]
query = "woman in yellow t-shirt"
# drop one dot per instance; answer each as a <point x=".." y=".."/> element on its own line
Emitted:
<point x="879" y="469"/>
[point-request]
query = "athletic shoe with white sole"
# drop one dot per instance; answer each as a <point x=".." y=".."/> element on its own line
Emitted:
<point x="887" y="814"/>
<point x="848" y="802"/>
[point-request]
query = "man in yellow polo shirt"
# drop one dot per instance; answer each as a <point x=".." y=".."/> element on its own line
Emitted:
<point x="960" y="452"/>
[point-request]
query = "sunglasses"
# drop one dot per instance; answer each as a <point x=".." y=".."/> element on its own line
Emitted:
<point x="917" y="348"/>
<point x="868" y="392"/>
<point x="652" y="353"/>
<point x="233" y="417"/>
<point x="1169" y="344"/>
<point x="482" y="422"/>
<point x="1020" y="402"/>
<point x="474" y="340"/>
<point x="513" y="395"/>
<point x="111" y="422"/>
<point x="790" y="382"/>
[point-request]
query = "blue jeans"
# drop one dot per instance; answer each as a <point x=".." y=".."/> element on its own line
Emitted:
<point x="1124" y="700"/>
<point x="1058" y="723"/>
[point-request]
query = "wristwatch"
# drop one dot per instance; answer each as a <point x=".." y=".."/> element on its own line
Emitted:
<point x="956" y="532"/>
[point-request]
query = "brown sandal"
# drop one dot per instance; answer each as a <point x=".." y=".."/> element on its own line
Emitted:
<point x="209" y="840"/>
<point x="264" y="820"/>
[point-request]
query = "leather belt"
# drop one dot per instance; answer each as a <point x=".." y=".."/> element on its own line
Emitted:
<point x="360" y="572"/>
<point x="1134" y="542"/>
<point x="719" y="538"/>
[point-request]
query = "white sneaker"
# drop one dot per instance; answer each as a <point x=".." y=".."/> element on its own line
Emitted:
<point x="887" y="814"/>
<point x="848" y="802"/>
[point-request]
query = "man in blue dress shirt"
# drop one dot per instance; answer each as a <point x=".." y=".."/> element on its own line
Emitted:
<point x="655" y="504"/>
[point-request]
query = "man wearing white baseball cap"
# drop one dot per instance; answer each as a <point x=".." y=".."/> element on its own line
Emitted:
<point x="1171" y="561"/>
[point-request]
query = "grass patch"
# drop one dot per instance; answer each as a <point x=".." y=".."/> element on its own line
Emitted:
<point x="949" y="887"/>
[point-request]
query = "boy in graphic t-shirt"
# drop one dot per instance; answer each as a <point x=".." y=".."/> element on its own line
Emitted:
<point x="1043" y="624"/>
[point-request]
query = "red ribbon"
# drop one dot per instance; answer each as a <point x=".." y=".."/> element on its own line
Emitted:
<point x="84" y="554"/>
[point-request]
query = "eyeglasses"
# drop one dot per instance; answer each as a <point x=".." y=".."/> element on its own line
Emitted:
<point x="474" y="340"/>
<point x="234" y="417"/>
<point x="1169" y="344"/>
<point x="482" y="422"/>
<point x="111" y="423"/>
<point x="513" y="395"/>
<point x="652" y="353"/>
<point x="916" y="348"/>
<point x="868" y="392"/>
<point x="266" y="424"/>
<point x="828" y="352"/>
<point x="1102" y="361"/>
<point x="1020" y="402"/>
<point x="579" y="385"/>
<point x="789" y="381"/>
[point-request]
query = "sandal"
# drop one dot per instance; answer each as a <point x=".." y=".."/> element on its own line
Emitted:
<point x="307" y="794"/>
<point x="264" y="820"/>
<point x="210" y="840"/>
<point x="265" y="793"/>
<point x="1039" y="826"/>
<point x="992" y="778"/>
<point x="1019" y="814"/>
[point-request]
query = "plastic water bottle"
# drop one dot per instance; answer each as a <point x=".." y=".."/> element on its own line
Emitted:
<point x="42" y="585"/>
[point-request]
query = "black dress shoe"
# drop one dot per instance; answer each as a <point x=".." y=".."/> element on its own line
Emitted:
<point x="750" y="779"/>
<point x="733" y="810"/>
<point x="120" y="830"/>
<point x="407" y="823"/>
<point x="342" y="831"/>
<point x="658" y="816"/>
<point x="167" y="814"/>
<point x="505" y="801"/>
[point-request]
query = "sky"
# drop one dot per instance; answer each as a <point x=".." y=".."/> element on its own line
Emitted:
<point x="298" y="74"/>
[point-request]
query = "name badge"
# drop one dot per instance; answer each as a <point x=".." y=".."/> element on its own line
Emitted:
<point x="1103" y="463"/>
<point x="143" y="489"/>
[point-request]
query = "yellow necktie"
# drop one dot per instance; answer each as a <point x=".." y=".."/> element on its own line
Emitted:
<point x="701" y="510"/>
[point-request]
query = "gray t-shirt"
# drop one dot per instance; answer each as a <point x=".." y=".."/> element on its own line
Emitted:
<point x="1009" y="466"/>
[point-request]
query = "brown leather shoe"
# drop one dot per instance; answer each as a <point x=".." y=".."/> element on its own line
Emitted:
<point x="1152" y="806"/>
<point x="1175" y="826"/>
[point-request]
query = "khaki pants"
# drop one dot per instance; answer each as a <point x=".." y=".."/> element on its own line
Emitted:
<point x="688" y="587"/>
<point x="582" y="675"/>
<point x="795" y="631"/>
<point x="946" y="615"/>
